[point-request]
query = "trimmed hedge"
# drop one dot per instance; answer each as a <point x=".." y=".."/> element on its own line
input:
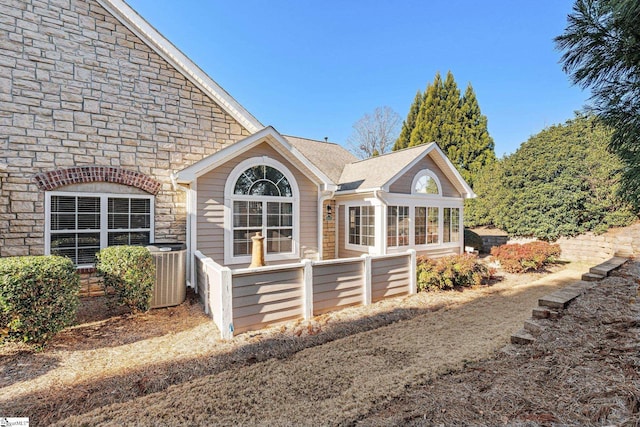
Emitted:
<point x="517" y="258"/>
<point x="128" y="274"/>
<point x="450" y="272"/>
<point x="38" y="297"/>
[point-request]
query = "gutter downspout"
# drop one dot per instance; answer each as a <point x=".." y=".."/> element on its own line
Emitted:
<point x="190" y="217"/>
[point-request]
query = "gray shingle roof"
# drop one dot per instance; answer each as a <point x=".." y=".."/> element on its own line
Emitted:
<point x="377" y="171"/>
<point x="330" y="158"/>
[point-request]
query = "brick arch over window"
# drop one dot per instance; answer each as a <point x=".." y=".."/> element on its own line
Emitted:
<point x="51" y="180"/>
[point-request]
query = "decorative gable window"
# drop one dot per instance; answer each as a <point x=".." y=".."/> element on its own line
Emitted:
<point x="263" y="199"/>
<point x="426" y="182"/>
<point x="78" y="225"/>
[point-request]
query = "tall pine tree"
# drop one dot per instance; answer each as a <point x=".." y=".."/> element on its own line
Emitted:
<point x="429" y="116"/>
<point x="409" y="124"/>
<point x="479" y="145"/>
<point x="454" y="122"/>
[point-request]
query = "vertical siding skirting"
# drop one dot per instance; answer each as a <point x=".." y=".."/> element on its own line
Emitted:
<point x="413" y="279"/>
<point x="308" y="289"/>
<point x="226" y="298"/>
<point x="285" y="292"/>
<point x="366" y="283"/>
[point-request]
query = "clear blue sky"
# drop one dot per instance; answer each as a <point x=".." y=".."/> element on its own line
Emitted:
<point x="313" y="68"/>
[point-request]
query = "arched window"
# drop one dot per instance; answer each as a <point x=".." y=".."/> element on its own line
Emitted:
<point x="262" y="195"/>
<point x="426" y="182"/>
<point x="262" y="180"/>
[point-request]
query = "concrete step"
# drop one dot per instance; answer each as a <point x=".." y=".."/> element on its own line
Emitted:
<point x="561" y="298"/>
<point x="533" y="327"/>
<point x="608" y="266"/>
<point x="545" y="313"/>
<point x="522" y="337"/>
<point x="591" y="277"/>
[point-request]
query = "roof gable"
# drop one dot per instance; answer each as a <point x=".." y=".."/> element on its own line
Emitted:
<point x="379" y="173"/>
<point x="267" y="134"/>
<point x="167" y="50"/>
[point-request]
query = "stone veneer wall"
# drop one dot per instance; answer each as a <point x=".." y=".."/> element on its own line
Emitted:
<point x="329" y="230"/>
<point x="77" y="88"/>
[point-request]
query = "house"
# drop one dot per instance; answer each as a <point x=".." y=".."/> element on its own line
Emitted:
<point x="110" y="135"/>
<point x="315" y="200"/>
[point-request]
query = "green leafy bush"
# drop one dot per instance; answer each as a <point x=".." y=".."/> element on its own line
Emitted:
<point x="450" y="272"/>
<point x="517" y="258"/>
<point x="38" y="297"/>
<point x="128" y="274"/>
<point x="561" y="182"/>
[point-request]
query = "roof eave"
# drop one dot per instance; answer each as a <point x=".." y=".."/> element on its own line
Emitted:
<point x="269" y="133"/>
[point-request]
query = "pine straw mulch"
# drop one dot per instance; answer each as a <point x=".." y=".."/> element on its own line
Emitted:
<point x="175" y="356"/>
<point x="583" y="370"/>
<point x="111" y="359"/>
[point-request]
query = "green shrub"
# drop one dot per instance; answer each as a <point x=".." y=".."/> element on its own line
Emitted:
<point x="128" y="274"/>
<point x="517" y="258"/>
<point x="561" y="182"/>
<point x="450" y="272"/>
<point x="472" y="239"/>
<point x="38" y="297"/>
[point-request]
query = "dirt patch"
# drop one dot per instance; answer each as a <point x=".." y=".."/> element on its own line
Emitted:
<point x="333" y="369"/>
<point x="583" y="370"/>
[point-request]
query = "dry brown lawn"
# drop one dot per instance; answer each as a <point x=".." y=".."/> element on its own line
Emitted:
<point x="169" y="366"/>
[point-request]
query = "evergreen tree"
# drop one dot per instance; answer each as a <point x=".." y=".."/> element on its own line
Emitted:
<point x="601" y="47"/>
<point x="475" y="134"/>
<point x="449" y="133"/>
<point x="455" y="123"/>
<point x="409" y="124"/>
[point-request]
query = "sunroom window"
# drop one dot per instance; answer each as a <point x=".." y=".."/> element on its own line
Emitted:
<point x="262" y="202"/>
<point x="398" y="226"/>
<point x="362" y="225"/>
<point x="451" y="231"/>
<point x="426" y="225"/>
<point x="80" y="225"/>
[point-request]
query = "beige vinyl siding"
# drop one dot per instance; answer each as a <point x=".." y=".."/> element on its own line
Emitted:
<point x="439" y="252"/>
<point x="343" y="252"/>
<point x="210" y="211"/>
<point x="389" y="277"/>
<point x="336" y="286"/>
<point x="403" y="183"/>
<point x="261" y="299"/>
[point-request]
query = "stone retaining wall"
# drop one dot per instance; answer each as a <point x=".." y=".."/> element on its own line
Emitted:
<point x="624" y="242"/>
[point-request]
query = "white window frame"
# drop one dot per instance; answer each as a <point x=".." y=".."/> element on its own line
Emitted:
<point x="430" y="174"/>
<point x="451" y="217"/>
<point x="104" y="216"/>
<point x="230" y="197"/>
<point x="371" y="249"/>
<point x="397" y="226"/>
<point x="425" y="200"/>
